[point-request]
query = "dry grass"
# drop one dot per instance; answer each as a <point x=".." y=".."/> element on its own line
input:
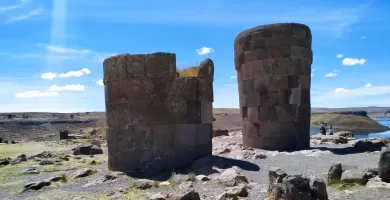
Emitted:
<point x="29" y="148"/>
<point x="188" y="72"/>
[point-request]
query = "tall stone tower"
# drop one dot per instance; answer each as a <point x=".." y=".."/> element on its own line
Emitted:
<point x="273" y="64"/>
<point x="156" y="120"/>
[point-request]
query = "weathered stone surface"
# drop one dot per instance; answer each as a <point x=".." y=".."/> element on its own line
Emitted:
<point x="283" y="186"/>
<point x="354" y="176"/>
<point x="156" y="119"/>
<point x="384" y="166"/>
<point x="143" y="184"/>
<point x="335" y="172"/>
<point x="273" y="64"/>
<point x="36" y="185"/>
<point x="87" y="149"/>
<point x="231" y="177"/>
<point x="64" y="134"/>
<point x="19" y="159"/>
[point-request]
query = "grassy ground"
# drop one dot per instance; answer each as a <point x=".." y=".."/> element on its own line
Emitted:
<point x="14" y="150"/>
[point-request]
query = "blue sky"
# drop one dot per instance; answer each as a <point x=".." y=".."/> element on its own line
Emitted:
<point x="51" y="52"/>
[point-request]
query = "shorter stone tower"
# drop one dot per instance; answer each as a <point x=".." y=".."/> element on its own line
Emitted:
<point x="156" y="120"/>
<point x="273" y="64"/>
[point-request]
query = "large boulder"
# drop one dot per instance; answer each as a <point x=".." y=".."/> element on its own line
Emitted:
<point x="335" y="172"/>
<point x="354" y="176"/>
<point x="289" y="187"/>
<point x="328" y="139"/>
<point x="384" y="166"/>
<point x="371" y="144"/>
<point x="347" y="134"/>
<point x="87" y="149"/>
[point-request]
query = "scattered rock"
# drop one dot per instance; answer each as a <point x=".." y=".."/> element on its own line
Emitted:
<point x="64" y="134"/>
<point x="76" y="136"/>
<point x="190" y="195"/>
<point x="55" y="178"/>
<point x="158" y="196"/>
<point x="36" y="185"/>
<point x="335" y="172"/>
<point x="354" y="176"/>
<point x="96" y="142"/>
<point x="384" y="166"/>
<point x="83" y="173"/>
<point x="328" y="139"/>
<point x="371" y="172"/>
<point x="87" y="149"/>
<point x="143" y="184"/>
<point x="164" y="183"/>
<point x="233" y="193"/>
<point x="377" y="182"/>
<point x="232" y="177"/>
<point x="371" y="144"/>
<point x="19" y="159"/>
<point x="103" y="179"/>
<point x="347" y="134"/>
<point x="30" y="170"/>
<point x="46" y="162"/>
<point x="260" y="156"/>
<point x="5" y="161"/>
<point x="283" y="186"/>
<point x="202" y="178"/>
<point x="186" y="185"/>
<point x="44" y="154"/>
<point x="318" y="188"/>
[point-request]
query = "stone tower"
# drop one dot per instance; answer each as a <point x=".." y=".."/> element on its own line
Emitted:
<point x="156" y="120"/>
<point x="273" y="64"/>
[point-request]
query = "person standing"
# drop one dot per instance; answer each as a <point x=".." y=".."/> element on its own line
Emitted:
<point x="331" y="130"/>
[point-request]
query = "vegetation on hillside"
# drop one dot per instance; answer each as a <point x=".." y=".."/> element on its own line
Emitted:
<point x="346" y="121"/>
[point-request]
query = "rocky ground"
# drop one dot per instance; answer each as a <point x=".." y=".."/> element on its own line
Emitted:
<point x="51" y="170"/>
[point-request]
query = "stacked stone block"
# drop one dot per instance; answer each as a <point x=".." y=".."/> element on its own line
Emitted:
<point x="156" y="120"/>
<point x="273" y="64"/>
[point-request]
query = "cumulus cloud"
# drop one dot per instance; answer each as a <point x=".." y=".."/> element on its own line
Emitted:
<point x="332" y="74"/>
<point x="204" y="51"/>
<point x="51" y="75"/>
<point x="100" y="82"/>
<point x="340" y="55"/>
<point x="73" y="87"/>
<point x="36" y="93"/>
<point x="234" y="77"/>
<point x="354" y="61"/>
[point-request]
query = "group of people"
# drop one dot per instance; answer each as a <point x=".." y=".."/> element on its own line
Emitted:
<point x="323" y="130"/>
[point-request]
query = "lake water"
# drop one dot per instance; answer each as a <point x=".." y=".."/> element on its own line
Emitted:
<point x="383" y="121"/>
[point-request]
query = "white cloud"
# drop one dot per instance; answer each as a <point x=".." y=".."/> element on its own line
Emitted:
<point x="368" y="85"/>
<point x="59" y="49"/>
<point x="36" y="93"/>
<point x="204" y="51"/>
<point x="30" y="14"/>
<point x="49" y="75"/>
<point x="234" y="77"/>
<point x="340" y="55"/>
<point x="86" y="71"/>
<point x="73" y="87"/>
<point x="339" y="90"/>
<point x="332" y="74"/>
<point x="7" y="8"/>
<point x="354" y="61"/>
<point x="363" y="37"/>
<point x="367" y="90"/>
<point x="100" y="82"/>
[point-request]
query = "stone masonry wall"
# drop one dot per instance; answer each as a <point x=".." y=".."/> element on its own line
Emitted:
<point x="156" y="120"/>
<point x="273" y="64"/>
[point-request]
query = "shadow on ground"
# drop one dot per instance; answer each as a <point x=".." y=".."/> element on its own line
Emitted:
<point x="207" y="166"/>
